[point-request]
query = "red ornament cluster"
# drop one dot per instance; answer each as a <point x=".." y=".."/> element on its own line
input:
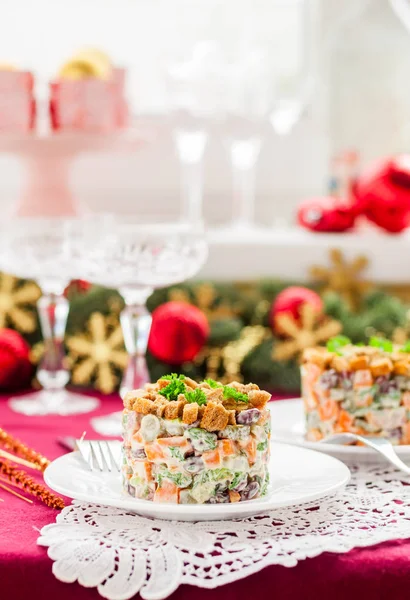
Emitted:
<point x="381" y="195"/>
<point x="16" y="369"/>
<point x="290" y="301"/>
<point x="178" y="332"/>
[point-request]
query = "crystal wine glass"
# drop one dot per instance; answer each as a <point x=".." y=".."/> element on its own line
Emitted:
<point x="138" y="256"/>
<point x="44" y="250"/>
<point x="192" y="103"/>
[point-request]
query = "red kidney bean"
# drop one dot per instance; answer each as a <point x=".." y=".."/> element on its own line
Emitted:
<point x="246" y="417"/>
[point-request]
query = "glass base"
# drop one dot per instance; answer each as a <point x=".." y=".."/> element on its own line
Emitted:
<point x="49" y="402"/>
<point x="108" y="425"/>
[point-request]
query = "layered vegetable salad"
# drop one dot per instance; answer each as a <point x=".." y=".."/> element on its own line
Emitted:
<point x="357" y="389"/>
<point x="187" y="442"/>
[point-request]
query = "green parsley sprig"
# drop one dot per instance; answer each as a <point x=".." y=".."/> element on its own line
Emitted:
<point x="197" y="396"/>
<point x="337" y="342"/>
<point x="173" y="376"/>
<point x="231" y="394"/>
<point x="212" y="383"/>
<point x="173" y="389"/>
<point x="383" y="344"/>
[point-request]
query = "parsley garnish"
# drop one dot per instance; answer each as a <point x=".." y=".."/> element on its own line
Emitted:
<point x="231" y="393"/>
<point x="173" y="376"/>
<point x="378" y="342"/>
<point x="176" y="453"/>
<point x="197" y="396"/>
<point x="173" y="389"/>
<point x="337" y="342"/>
<point x="406" y="347"/>
<point x="212" y="383"/>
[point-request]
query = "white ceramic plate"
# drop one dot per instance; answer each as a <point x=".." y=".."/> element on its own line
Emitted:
<point x="297" y="476"/>
<point x="288" y="426"/>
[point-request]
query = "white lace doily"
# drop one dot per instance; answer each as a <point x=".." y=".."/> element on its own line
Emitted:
<point x="121" y="554"/>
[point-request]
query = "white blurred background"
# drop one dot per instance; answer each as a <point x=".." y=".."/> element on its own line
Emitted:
<point x="363" y="55"/>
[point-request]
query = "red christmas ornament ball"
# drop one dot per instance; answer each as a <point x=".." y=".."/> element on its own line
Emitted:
<point x="382" y="194"/>
<point x="327" y="214"/>
<point x="16" y="369"/>
<point x="178" y="332"/>
<point x="290" y="301"/>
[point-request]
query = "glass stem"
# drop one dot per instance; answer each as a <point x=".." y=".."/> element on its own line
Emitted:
<point x="244" y="155"/>
<point x="190" y="147"/>
<point x="136" y="325"/>
<point x="52" y="372"/>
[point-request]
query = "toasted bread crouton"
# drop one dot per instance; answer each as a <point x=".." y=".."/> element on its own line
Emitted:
<point x="190" y="413"/>
<point x="231" y="417"/>
<point x="214" y="395"/>
<point x="160" y="407"/>
<point x="215" y="417"/>
<point x="339" y="364"/>
<point x="151" y="387"/>
<point x="240" y="387"/>
<point x="201" y="411"/>
<point x="174" y="409"/>
<point x="357" y="363"/>
<point x="259" y="398"/>
<point x="381" y="366"/>
<point x="162" y="383"/>
<point x="251" y="386"/>
<point x="234" y="496"/>
<point x="402" y="367"/>
<point x="144" y="406"/>
<point x="130" y="398"/>
<point x="315" y="356"/>
<point x="190" y="383"/>
<point x="204" y="385"/>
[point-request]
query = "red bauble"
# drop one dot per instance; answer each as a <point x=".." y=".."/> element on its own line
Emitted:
<point x="382" y="194"/>
<point x="328" y="214"/>
<point x="178" y="332"/>
<point x="16" y="369"/>
<point x="76" y="287"/>
<point x="290" y="300"/>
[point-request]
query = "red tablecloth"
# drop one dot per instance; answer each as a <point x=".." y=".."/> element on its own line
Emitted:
<point x="379" y="572"/>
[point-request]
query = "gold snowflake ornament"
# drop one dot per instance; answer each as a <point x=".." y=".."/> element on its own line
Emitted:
<point x="311" y="331"/>
<point x="97" y="353"/>
<point x="343" y="277"/>
<point x="205" y="298"/>
<point x="17" y="303"/>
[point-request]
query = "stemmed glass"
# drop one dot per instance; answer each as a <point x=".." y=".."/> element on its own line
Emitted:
<point x="191" y="104"/>
<point x="44" y="249"/>
<point x="138" y="256"/>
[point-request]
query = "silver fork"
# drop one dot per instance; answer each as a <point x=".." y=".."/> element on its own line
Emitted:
<point x="381" y="445"/>
<point x="101" y="455"/>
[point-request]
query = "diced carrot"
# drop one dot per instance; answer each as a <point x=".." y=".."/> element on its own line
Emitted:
<point x="314" y="435"/>
<point x="364" y="398"/>
<point x="234" y="496"/>
<point x="179" y="442"/>
<point x="310" y="400"/>
<point x="137" y="437"/>
<point x="345" y="421"/>
<point x="328" y="409"/>
<point x="143" y="469"/>
<point x="212" y="459"/>
<point x="227" y="447"/>
<point x="167" y="492"/>
<point x="250" y="450"/>
<point x="311" y="372"/>
<point x="176" y="440"/>
<point x="362" y="377"/>
<point x="406" y="400"/>
<point x="406" y="434"/>
<point x="154" y="451"/>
